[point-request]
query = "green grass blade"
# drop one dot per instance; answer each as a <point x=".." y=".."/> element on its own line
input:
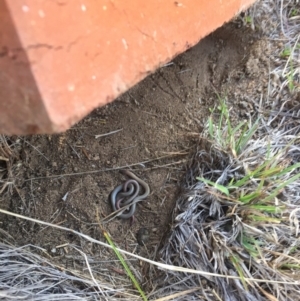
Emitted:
<point x="237" y="128"/>
<point x="249" y="244"/>
<point x="235" y="262"/>
<point x="221" y="188"/>
<point x="246" y="198"/>
<point x="221" y="109"/>
<point x="249" y="197"/>
<point x="211" y="127"/>
<point x="266" y="208"/>
<point x="245" y="138"/>
<point x="252" y="174"/>
<point x="129" y="273"/>
<point x="257" y="218"/>
<point x="268" y="173"/>
<point x="277" y="190"/>
<point x="288" y="169"/>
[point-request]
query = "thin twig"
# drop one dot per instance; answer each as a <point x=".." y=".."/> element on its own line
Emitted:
<point x="73" y="149"/>
<point x="90" y="270"/>
<point x="160" y="265"/>
<point x="172" y="297"/>
<point x="107" y="134"/>
<point x="102" y="170"/>
<point x="36" y="150"/>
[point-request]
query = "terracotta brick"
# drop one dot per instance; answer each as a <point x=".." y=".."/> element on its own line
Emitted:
<point x="61" y="59"/>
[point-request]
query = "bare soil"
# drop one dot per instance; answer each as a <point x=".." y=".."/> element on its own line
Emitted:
<point x="64" y="179"/>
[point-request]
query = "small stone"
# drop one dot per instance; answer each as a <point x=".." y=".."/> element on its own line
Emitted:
<point x="244" y="104"/>
<point x="143" y="236"/>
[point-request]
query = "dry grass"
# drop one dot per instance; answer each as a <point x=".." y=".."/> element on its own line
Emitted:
<point x="248" y="230"/>
<point x="6" y="154"/>
<point x="27" y="276"/>
<point x="221" y="247"/>
<point x="251" y="231"/>
<point x="280" y="22"/>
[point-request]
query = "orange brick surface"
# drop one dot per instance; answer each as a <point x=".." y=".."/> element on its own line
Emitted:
<point x="60" y="59"/>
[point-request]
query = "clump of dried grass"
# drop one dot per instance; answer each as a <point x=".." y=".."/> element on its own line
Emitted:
<point x="240" y="221"/>
<point x="5" y="151"/>
<point x="27" y="276"/>
<point x="6" y="154"/>
<point x="238" y="211"/>
<point x="279" y="20"/>
<point x="24" y="275"/>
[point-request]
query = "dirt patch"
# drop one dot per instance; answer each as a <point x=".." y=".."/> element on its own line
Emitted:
<point x="64" y="179"/>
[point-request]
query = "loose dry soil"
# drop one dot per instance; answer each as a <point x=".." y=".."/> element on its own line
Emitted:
<point x="64" y="179"/>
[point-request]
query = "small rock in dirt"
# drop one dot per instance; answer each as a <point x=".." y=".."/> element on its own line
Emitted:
<point x="252" y="66"/>
<point x="243" y="104"/>
<point x="143" y="236"/>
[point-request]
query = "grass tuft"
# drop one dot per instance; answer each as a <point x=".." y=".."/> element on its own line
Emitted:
<point x="237" y="213"/>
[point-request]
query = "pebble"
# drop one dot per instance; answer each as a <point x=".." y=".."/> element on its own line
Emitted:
<point x="143" y="236"/>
